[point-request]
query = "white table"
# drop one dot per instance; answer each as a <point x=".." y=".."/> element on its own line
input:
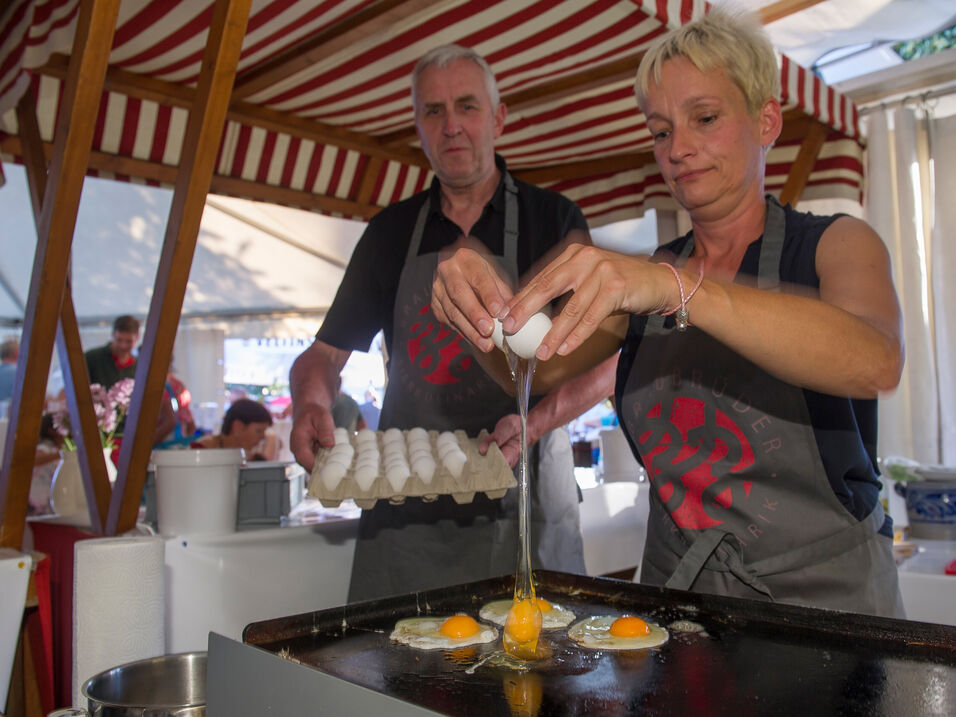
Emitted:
<point x="223" y="583"/>
<point x="929" y="595"/>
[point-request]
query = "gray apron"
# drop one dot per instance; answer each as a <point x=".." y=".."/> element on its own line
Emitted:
<point x="740" y="503"/>
<point x="434" y="382"/>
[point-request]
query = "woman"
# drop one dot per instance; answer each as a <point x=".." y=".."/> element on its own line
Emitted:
<point x="243" y="426"/>
<point x="755" y="346"/>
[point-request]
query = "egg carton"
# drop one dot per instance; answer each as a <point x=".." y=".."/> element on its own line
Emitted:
<point x="489" y="474"/>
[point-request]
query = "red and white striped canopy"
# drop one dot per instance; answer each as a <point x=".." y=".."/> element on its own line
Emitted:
<point x="321" y="115"/>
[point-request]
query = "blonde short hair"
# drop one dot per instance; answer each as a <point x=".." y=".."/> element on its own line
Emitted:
<point x="732" y="40"/>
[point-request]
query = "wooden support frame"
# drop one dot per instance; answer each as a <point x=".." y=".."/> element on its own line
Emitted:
<point x="96" y="22"/>
<point x="803" y="165"/>
<point x="206" y="121"/>
<point x="76" y="376"/>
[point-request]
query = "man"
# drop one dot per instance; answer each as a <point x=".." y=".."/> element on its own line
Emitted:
<point x="433" y="380"/>
<point x="114" y="361"/>
<point x="9" y="352"/>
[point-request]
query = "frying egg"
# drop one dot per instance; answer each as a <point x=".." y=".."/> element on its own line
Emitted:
<point x="607" y="632"/>
<point x="523" y="622"/>
<point x="441" y="633"/>
<point x="553" y="615"/>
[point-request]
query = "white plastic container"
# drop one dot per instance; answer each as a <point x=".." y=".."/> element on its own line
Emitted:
<point x="197" y="490"/>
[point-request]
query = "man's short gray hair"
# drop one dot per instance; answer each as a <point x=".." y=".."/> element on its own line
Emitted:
<point x="443" y="56"/>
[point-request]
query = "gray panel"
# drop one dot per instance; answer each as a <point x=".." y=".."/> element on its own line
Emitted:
<point x="245" y="680"/>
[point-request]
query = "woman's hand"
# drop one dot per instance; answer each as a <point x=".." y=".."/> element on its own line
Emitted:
<point x="602" y="284"/>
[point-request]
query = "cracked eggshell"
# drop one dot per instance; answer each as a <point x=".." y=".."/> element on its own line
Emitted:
<point x="526" y="340"/>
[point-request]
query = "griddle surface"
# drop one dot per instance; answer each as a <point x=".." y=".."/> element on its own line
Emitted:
<point x="753" y="658"/>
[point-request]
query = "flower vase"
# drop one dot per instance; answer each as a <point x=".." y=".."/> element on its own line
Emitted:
<point x="67" y="494"/>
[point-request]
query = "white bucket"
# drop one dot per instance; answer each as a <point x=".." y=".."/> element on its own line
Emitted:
<point x="197" y="490"/>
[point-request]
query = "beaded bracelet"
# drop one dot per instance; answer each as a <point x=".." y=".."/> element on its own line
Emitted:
<point x="683" y="316"/>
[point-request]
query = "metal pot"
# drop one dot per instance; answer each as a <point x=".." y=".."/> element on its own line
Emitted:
<point x="165" y="686"/>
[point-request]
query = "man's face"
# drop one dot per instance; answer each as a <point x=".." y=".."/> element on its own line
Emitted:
<point x="123" y="343"/>
<point x="457" y="124"/>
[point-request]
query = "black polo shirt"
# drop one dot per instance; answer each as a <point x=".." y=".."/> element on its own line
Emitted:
<point x="366" y="296"/>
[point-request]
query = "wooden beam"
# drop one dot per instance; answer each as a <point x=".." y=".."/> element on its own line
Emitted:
<point x="588" y="168"/>
<point x="783" y="8"/>
<point x="354" y="27"/>
<point x="369" y="178"/>
<point x="173" y="95"/>
<point x="200" y="146"/>
<point x="76" y="377"/>
<point x="93" y="38"/>
<point x="803" y="164"/>
<point x="166" y="174"/>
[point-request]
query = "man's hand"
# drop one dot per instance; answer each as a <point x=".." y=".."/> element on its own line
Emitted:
<point x="507" y="435"/>
<point x="312" y="429"/>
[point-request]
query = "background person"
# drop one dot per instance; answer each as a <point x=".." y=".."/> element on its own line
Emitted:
<point x="115" y="361"/>
<point x="433" y="379"/>
<point x="244" y="426"/>
<point x="9" y="353"/>
<point x="754" y="412"/>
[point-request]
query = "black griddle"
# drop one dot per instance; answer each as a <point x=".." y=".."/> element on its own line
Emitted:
<point x="752" y="658"/>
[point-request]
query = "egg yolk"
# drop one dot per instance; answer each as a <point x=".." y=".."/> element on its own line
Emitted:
<point x="459" y="626"/>
<point x="543" y="605"/>
<point x="629" y="627"/>
<point x="523" y="623"/>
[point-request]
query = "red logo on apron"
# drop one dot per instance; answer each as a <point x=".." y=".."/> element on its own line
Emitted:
<point x="437" y="351"/>
<point x="692" y="456"/>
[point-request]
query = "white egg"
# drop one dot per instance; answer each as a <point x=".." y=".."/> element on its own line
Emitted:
<point x="595" y="633"/>
<point x="426" y="633"/>
<point x="454" y="461"/>
<point x="553" y="618"/>
<point x="424" y="468"/>
<point x="365" y="475"/>
<point x="332" y="474"/>
<point x="526" y="340"/>
<point x="417" y="434"/>
<point x="498" y="335"/>
<point x="341" y="435"/>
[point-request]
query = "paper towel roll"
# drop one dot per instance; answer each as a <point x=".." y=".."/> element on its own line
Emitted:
<point x="119" y="600"/>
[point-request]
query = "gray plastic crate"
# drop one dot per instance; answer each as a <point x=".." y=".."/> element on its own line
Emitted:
<point x="267" y="492"/>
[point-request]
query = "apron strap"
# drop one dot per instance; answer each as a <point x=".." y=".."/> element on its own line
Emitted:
<point x="511" y="224"/>
<point x="419" y="230"/>
<point x="711" y="546"/>
<point x="771" y="248"/>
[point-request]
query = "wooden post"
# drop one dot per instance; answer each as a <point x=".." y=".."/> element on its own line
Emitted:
<point x="200" y="146"/>
<point x="96" y="22"/>
<point x="76" y="377"/>
<point x="803" y="164"/>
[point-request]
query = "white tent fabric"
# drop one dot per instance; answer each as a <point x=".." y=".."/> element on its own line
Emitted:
<point x="918" y="420"/>
<point x="256" y="271"/>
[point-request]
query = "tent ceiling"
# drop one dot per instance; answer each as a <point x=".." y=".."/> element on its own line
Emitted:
<point x="320" y="116"/>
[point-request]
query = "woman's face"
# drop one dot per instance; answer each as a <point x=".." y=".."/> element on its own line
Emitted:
<point x="709" y="148"/>
<point x="248" y="435"/>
